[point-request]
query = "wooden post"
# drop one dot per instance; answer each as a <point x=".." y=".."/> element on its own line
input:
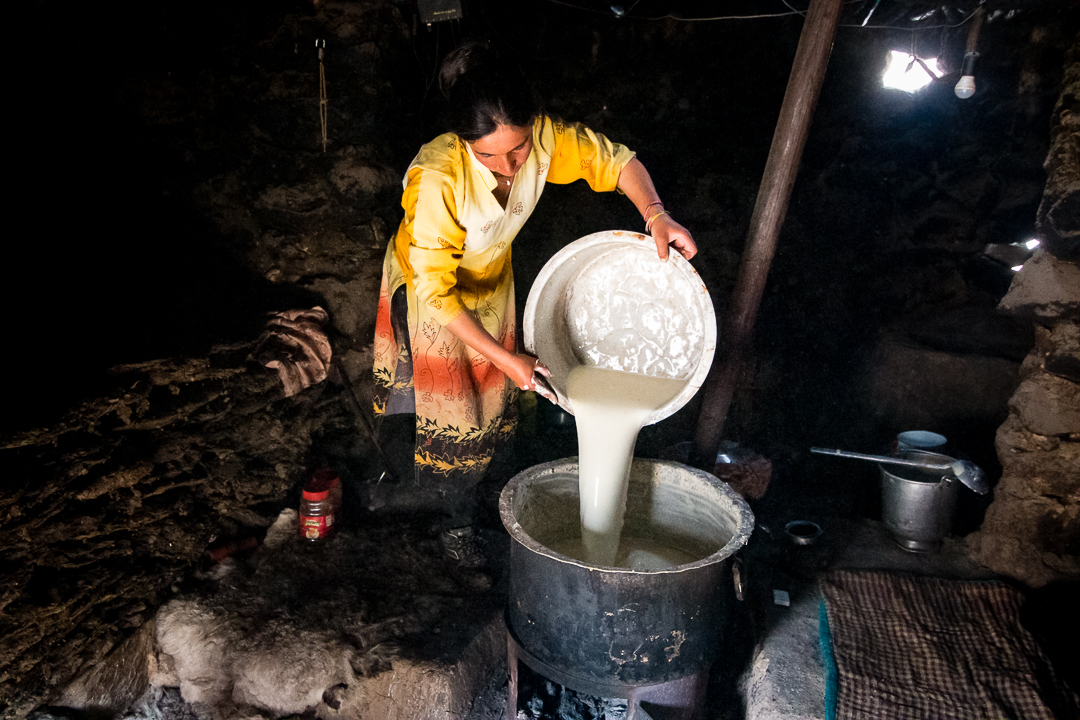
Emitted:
<point x="804" y="86"/>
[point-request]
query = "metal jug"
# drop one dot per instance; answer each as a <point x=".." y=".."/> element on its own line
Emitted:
<point x="917" y="504"/>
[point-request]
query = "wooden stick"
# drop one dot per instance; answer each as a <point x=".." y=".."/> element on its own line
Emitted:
<point x="800" y="99"/>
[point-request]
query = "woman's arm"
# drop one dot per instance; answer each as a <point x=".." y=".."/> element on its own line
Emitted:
<point x="579" y="153"/>
<point x="636" y="184"/>
<point x="518" y="367"/>
<point x="432" y="258"/>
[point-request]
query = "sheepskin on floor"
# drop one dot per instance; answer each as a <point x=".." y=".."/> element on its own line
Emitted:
<point x="291" y="629"/>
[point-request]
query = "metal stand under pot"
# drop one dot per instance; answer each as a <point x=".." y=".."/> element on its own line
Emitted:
<point x="679" y="699"/>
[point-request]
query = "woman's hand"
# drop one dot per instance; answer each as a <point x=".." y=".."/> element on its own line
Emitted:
<point x="635" y="182"/>
<point x="522" y="370"/>
<point x="668" y="233"/>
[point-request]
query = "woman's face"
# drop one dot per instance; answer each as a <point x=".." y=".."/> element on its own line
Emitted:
<point x="505" y="150"/>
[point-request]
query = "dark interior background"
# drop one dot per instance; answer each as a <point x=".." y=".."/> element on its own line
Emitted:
<point x="150" y="135"/>
<point x="138" y="106"/>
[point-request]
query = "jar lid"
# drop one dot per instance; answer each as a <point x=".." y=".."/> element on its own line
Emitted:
<point x="316" y="494"/>
<point x="322" y="480"/>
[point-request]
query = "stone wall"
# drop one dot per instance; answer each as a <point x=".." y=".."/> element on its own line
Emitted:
<point x="1032" y="529"/>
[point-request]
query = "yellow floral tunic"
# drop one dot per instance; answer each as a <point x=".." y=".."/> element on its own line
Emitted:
<point x="452" y="252"/>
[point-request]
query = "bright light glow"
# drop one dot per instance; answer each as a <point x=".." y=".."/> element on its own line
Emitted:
<point x="1017" y="268"/>
<point x="899" y="77"/>
<point x="1032" y="244"/>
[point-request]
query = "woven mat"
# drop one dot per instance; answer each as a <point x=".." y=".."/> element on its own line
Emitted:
<point x="903" y="647"/>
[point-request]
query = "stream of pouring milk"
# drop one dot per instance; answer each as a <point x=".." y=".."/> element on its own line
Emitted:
<point x="610" y="407"/>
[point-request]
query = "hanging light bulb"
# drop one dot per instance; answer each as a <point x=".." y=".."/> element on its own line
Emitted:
<point x="965" y="88"/>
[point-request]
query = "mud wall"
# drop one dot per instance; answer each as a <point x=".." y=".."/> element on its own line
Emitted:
<point x="1032" y="529"/>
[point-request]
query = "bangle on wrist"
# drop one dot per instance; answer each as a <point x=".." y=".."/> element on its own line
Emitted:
<point x="646" y="213"/>
<point x="649" y="222"/>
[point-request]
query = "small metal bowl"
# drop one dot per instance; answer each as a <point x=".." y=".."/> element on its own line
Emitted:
<point x="803" y="532"/>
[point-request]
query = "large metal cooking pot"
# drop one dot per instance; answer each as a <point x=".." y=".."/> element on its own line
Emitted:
<point x="605" y="625"/>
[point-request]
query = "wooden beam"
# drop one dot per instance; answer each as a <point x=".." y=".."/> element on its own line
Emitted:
<point x="734" y="339"/>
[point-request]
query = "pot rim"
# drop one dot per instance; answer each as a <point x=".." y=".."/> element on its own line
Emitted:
<point x="739" y="537"/>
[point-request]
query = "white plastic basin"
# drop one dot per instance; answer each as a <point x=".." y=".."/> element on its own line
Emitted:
<point x="607" y="300"/>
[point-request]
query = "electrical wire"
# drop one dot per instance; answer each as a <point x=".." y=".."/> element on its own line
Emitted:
<point x="913" y="29"/>
<point x="582" y="9"/>
<point x="422" y="66"/>
<point x="670" y="16"/>
<point x="797" y="12"/>
<point x="792" y="11"/>
<point x="721" y="17"/>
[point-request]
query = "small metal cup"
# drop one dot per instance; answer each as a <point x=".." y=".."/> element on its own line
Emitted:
<point x="803" y="532"/>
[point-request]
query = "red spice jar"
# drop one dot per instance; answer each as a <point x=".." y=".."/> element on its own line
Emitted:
<point x="320" y="505"/>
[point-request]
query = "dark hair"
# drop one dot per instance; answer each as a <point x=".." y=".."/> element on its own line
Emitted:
<point x="484" y="92"/>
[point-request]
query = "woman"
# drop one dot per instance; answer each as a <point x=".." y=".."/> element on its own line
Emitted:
<point x="446" y="345"/>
